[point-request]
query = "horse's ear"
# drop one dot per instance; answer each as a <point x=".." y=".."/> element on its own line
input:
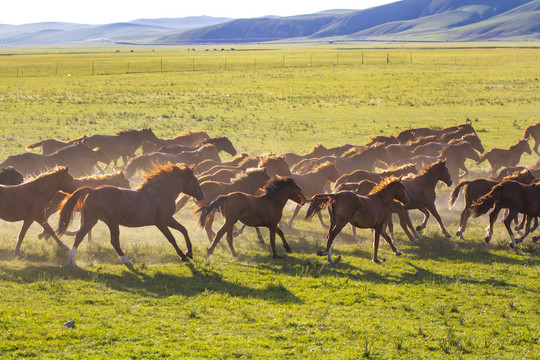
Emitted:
<point x="191" y="167"/>
<point x="444" y="161"/>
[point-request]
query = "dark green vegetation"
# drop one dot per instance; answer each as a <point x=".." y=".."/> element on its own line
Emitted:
<point x="442" y="299"/>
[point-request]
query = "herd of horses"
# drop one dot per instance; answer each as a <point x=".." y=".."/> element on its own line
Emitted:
<point x="83" y="175"/>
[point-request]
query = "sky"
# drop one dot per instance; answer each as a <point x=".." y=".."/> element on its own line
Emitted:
<point x="16" y="12"/>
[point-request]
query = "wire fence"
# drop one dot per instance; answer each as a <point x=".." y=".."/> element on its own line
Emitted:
<point x="48" y="65"/>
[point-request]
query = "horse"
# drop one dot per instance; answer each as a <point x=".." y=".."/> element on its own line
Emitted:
<point x="10" y="176"/>
<point x="221" y="143"/>
<point x="511" y="195"/>
<point x="420" y="189"/>
<point x="432" y="148"/>
<point x="475" y="189"/>
<point x="93" y="181"/>
<point x="533" y="131"/>
<point x="78" y="156"/>
<point x="50" y="146"/>
<point x="257" y="211"/>
<point x="498" y="158"/>
<point x="148" y="161"/>
<point x="316" y="152"/>
<point x="275" y="165"/>
<point x="188" y="138"/>
<point x="152" y="203"/>
<point x="410" y="135"/>
<point x="359" y="175"/>
<point x="27" y="201"/>
<point x="382" y="140"/>
<point x="313" y="183"/>
<point x="511" y="170"/>
<point x="371" y="211"/>
<point x="364" y="187"/>
<point x="122" y="144"/>
<point x="240" y="162"/>
<point x="248" y="182"/>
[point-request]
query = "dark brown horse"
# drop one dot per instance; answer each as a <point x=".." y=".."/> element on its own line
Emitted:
<point x="317" y="152"/>
<point x="122" y="144"/>
<point x="10" y="176"/>
<point x="26" y="202"/>
<point x="370" y="211"/>
<point x="221" y="143"/>
<point x="151" y="204"/>
<point x="256" y="211"/>
<point x="475" y="189"/>
<point x="50" y="146"/>
<point x="79" y="157"/>
<point x="360" y="175"/>
<point x="410" y="135"/>
<point x="434" y="147"/>
<point x="240" y="163"/>
<point x="511" y="170"/>
<point x="511" y="195"/>
<point x="188" y="138"/>
<point x="313" y="183"/>
<point x="498" y="158"/>
<point x="149" y="161"/>
<point x="533" y="131"/>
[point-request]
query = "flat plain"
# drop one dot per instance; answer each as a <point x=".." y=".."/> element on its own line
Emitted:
<point x="446" y="298"/>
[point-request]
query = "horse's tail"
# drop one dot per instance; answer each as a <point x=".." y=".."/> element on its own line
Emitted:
<point x="208" y="210"/>
<point x="482" y="205"/>
<point x="319" y="202"/>
<point x="527" y="132"/>
<point x="455" y="193"/>
<point x="69" y="205"/>
<point x="35" y="145"/>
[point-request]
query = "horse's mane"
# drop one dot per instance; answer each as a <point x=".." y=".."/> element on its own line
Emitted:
<point x="422" y="140"/>
<point x="77" y="139"/>
<point x="321" y="166"/>
<point x="52" y="172"/>
<point x="317" y="147"/>
<point x="164" y="171"/>
<point x="246" y="159"/>
<point x="360" y="150"/>
<point x="213" y="141"/>
<point x="425" y="170"/>
<point x="518" y="174"/>
<point x="100" y="177"/>
<point x="386" y="182"/>
<point x="69" y="148"/>
<point x="404" y="167"/>
<point x="247" y="174"/>
<point x="189" y="133"/>
<point x="275" y="185"/>
<point x="127" y="132"/>
<point x="269" y="158"/>
<point x="453" y="147"/>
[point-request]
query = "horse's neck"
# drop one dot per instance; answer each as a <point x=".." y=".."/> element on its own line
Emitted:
<point x="281" y="198"/>
<point x="429" y="179"/>
<point x="48" y="186"/>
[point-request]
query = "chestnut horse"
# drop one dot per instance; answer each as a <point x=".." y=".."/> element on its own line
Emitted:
<point x="26" y="202"/>
<point x="188" y="137"/>
<point x="50" y="146"/>
<point x="360" y="175"/>
<point x="371" y="211"/>
<point x="534" y="132"/>
<point x="151" y="204"/>
<point x="317" y="152"/>
<point x="498" y="158"/>
<point x="475" y="189"/>
<point x="256" y="211"/>
<point x="221" y="143"/>
<point x="511" y="195"/>
<point x="410" y="135"/>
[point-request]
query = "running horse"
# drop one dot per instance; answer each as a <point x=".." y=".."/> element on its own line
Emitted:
<point x="151" y="204"/>
<point x="222" y="143"/>
<point x="50" y="146"/>
<point x="498" y="158"/>
<point x="256" y="211"/>
<point x="371" y="211"/>
<point x="533" y="131"/>
<point x="26" y="202"/>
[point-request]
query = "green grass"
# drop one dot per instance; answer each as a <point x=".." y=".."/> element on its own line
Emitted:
<point x="442" y="299"/>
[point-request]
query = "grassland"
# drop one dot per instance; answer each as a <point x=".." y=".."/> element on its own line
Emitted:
<point x="442" y="299"/>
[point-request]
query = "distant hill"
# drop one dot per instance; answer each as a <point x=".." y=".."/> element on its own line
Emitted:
<point x="406" y="20"/>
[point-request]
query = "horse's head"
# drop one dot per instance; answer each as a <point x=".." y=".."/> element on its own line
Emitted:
<point x="191" y="184"/>
<point x="121" y="180"/>
<point x="101" y="156"/>
<point x="443" y="173"/>
<point x="276" y="166"/>
<point x="295" y="193"/>
<point x="227" y="146"/>
<point x="469" y="152"/>
<point x="399" y="192"/>
<point x="148" y="135"/>
<point x="334" y="173"/>
<point x="65" y="180"/>
<point x="524" y="146"/>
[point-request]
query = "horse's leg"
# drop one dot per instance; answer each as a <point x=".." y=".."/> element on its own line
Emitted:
<point x="492" y="218"/>
<point x="389" y="241"/>
<point x="20" y="237"/>
<point x="208" y="227"/>
<point x="465" y="214"/>
<point x="295" y="212"/>
<point x="176" y="225"/>
<point x="404" y="221"/>
<point x="424" y="222"/>
<point x="50" y="231"/>
<point x="376" y="245"/>
<point x="335" y="228"/>
<point x="323" y="225"/>
<point x="433" y="210"/>
<point x="535" y="148"/>
<point x="527" y="228"/>
<point x="464" y="168"/>
<point x="355" y="237"/>
<point x="390" y="225"/>
<point x="535" y="224"/>
<point x="87" y="223"/>
<point x="230" y="241"/>
<point x="259" y="235"/>
<point x="508" y="224"/>
<point x="114" y="229"/>
<point x="219" y="235"/>
<point x="286" y="245"/>
<point x="165" y="231"/>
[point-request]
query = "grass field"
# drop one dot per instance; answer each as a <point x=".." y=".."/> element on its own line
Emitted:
<point x="442" y="299"/>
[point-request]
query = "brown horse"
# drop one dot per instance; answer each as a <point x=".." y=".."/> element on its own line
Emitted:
<point x="122" y="144"/>
<point x="317" y="152"/>
<point x="256" y="211"/>
<point x="370" y="211"/>
<point x="50" y="146"/>
<point x="151" y="204"/>
<point x="240" y="163"/>
<point x="360" y="175"/>
<point x="382" y="140"/>
<point x="149" y="161"/>
<point x="221" y="143"/>
<point x="313" y="183"/>
<point x="188" y="137"/>
<point x="26" y="202"/>
<point x="534" y="132"/>
<point x="511" y="170"/>
<point x="434" y="147"/>
<point x="410" y="135"/>
<point x="511" y="195"/>
<point x="498" y="158"/>
<point x="79" y="157"/>
<point x="10" y="176"/>
<point x="475" y="189"/>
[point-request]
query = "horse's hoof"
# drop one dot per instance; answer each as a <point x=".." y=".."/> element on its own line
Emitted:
<point x="487" y="239"/>
<point x="261" y="241"/>
<point x="189" y="254"/>
<point x="184" y="259"/>
<point x="288" y="250"/>
<point x="208" y="251"/>
<point x="397" y="252"/>
<point x="377" y="261"/>
<point x="448" y="236"/>
<point x="19" y="254"/>
<point x="535" y="239"/>
<point x="458" y="234"/>
<point x="512" y="245"/>
<point x="419" y="228"/>
<point x="322" y="253"/>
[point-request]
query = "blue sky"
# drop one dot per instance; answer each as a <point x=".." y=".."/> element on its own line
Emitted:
<point x="107" y="11"/>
